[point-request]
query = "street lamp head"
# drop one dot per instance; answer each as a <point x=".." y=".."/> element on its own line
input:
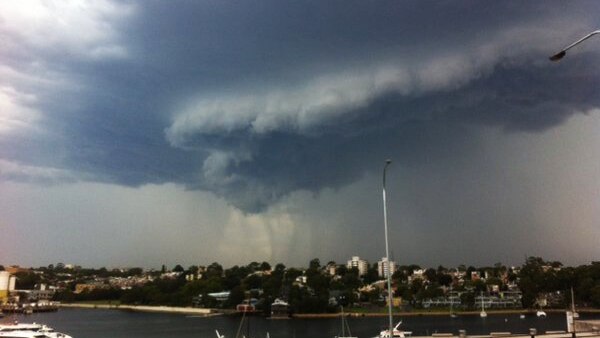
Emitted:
<point x="387" y="163"/>
<point x="562" y="53"/>
<point x="558" y="56"/>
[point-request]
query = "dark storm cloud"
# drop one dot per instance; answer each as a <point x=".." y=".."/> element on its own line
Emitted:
<point x="254" y="101"/>
<point x="413" y="131"/>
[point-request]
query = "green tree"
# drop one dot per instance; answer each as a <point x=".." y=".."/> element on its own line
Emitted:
<point x="372" y="275"/>
<point x="595" y="295"/>
<point x="135" y="272"/>
<point x="214" y="270"/>
<point x="341" y="270"/>
<point x="469" y="272"/>
<point x="290" y="275"/>
<point x="236" y="296"/>
<point x="351" y="280"/>
<point x="26" y="280"/>
<point x="444" y="279"/>
<point x="467" y="299"/>
<point x="479" y="286"/>
<point x="531" y="280"/>
<point x="193" y="269"/>
<point x="253" y="282"/>
<point x="431" y="275"/>
<point x="280" y="268"/>
<point x="315" y="264"/>
<point x="265" y="266"/>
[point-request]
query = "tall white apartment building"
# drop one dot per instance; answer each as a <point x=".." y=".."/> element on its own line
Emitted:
<point x="382" y="267"/>
<point x="361" y="264"/>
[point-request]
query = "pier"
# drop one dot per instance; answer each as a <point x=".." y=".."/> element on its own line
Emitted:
<point x="26" y="309"/>
<point x="583" y="329"/>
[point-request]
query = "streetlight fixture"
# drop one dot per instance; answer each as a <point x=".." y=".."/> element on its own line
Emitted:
<point x="562" y="53"/>
<point x="387" y="255"/>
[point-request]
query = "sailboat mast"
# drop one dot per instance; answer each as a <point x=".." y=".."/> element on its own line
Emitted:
<point x="572" y="301"/>
<point x="343" y="333"/>
<point x="451" y="301"/>
<point x="387" y="254"/>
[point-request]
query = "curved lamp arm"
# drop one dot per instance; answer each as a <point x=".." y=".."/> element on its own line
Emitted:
<point x="562" y="53"/>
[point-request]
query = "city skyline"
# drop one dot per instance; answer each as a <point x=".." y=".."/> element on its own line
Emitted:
<point x="134" y="132"/>
<point x="324" y="264"/>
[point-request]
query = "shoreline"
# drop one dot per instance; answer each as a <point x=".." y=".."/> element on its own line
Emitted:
<point x="206" y="312"/>
<point x="433" y="313"/>
<point x="146" y="308"/>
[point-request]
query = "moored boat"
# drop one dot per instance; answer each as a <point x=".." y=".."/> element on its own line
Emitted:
<point x="280" y="309"/>
<point x="27" y="330"/>
<point x="396" y="333"/>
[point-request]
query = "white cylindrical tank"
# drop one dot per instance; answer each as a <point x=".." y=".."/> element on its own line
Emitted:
<point x="11" y="283"/>
<point x="4" y="280"/>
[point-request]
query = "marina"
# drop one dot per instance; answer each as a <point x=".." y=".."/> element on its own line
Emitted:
<point x="104" y="323"/>
<point x="28" y="308"/>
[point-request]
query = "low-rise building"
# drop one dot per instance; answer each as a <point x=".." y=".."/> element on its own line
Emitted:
<point x="87" y="287"/>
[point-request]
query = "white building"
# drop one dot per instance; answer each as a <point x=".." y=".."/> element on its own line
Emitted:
<point x="382" y="267"/>
<point x="361" y="264"/>
<point x="417" y="274"/>
<point x="7" y="284"/>
<point x="331" y="269"/>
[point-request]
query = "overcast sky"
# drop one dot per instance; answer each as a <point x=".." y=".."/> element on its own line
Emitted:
<point x="141" y="133"/>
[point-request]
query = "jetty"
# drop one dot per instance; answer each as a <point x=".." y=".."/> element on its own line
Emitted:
<point x="27" y="309"/>
<point x="581" y="329"/>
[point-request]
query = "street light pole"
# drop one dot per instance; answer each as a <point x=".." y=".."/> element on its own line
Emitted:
<point x="387" y="255"/>
<point x="562" y="53"/>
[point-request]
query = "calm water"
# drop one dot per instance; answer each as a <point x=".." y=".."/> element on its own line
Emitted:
<point x="84" y="323"/>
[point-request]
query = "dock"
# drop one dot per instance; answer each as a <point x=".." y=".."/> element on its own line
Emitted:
<point x="583" y="329"/>
<point x="26" y="309"/>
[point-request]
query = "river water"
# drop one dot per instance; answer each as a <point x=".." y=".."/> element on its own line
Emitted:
<point x="99" y="323"/>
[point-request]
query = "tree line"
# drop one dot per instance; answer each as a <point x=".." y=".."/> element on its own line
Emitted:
<point x="536" y="278"/>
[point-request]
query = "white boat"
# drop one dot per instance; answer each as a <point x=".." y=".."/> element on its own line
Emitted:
<point x="396" y="333"/>
<point x="540" y="313"/>
<point x="30" y="330"/>
<point x="22" y="334"/>
<point x="223" y="336"/>
<point x="482" y="314"/>
<point x="280" y="309"/>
